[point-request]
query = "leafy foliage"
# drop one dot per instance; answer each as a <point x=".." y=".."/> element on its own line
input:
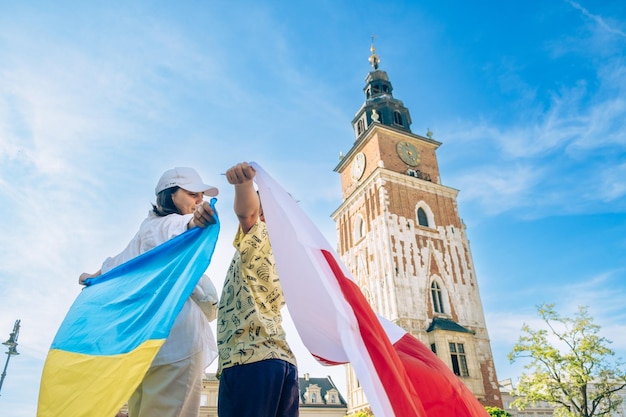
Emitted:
<point x="361" y="414"/>
<point x="569" y="366"/>
<point x="496" y="412"/>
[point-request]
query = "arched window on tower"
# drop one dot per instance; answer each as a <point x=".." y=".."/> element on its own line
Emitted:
<point x="397" y="118"/>
<point x="425" y="216"/>
<point x="435" y="292"/>
<point x="359" y="228"/>
<point x="360" y="127"/>
<point x="422" y="218"/>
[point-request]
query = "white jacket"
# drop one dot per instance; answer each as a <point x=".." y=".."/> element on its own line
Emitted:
<point x="190" y="333"/>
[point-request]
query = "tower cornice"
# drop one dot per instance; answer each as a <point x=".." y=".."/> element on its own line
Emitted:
<point x="383" y="175"/>
<point x="372" y="129"/>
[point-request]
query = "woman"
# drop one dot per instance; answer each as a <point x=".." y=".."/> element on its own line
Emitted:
<point x="172" y="385"/>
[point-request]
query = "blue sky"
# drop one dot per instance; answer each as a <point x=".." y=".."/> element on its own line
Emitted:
<point x="98" y="98"/>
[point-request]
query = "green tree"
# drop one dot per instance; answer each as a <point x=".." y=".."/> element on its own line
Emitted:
<point x="496" y="412"/>
<point x="569" y="367"/>
<point x="361" y="414"/>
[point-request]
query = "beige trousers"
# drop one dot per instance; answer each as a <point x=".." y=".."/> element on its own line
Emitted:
<point x="171" y="390"/>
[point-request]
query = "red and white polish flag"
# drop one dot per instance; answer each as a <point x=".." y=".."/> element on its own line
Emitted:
<point x="400" y="376"/>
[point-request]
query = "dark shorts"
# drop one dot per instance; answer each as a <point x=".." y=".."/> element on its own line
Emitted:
<point x="266" y="388"/>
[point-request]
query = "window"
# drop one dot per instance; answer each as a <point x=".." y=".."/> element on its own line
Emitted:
<point x="359" y="228"/>
<point x="422" y="218"/>
<point x="459" y="361"/>
<point x="397" y="118"/>
<point x="313" y="398"/>
<point x="435" y="292"/>
<point x="360" y="127"/>
<point x="433" y="347"/>
<point x="333" y="399"/>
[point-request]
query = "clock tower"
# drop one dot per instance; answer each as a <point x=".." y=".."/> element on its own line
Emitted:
<point x="401" y="236"/>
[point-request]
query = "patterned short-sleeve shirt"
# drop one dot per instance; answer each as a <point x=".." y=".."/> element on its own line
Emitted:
<point x="249" y="321"/>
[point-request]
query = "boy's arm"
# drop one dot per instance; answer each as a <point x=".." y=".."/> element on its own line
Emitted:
<point x="247" y="204"/>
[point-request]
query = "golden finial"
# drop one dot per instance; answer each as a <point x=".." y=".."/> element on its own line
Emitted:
<point x="374" y="59"/>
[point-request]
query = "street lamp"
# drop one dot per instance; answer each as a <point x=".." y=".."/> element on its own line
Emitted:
<point x="12" y="345"/>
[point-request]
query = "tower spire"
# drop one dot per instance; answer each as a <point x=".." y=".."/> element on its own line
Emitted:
<point x="374" y="59"/>
<point x="380" y="106"/>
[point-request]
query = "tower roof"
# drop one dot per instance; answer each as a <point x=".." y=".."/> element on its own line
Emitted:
<point x="440" y="323"/>
<point x="380" y="106"/>
<point x="325" y="385"/>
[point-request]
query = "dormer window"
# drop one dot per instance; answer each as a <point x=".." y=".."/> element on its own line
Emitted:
<point x="313" y="394"/>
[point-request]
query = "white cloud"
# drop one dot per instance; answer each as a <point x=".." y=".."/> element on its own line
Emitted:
<point x="558" y="156"/>
<point x="599" y="293"/>
<point x="612" y="186"/>
<point x="499" y="188"/>
<point x="599" y="20"/>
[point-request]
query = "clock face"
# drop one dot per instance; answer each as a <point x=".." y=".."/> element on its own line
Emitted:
<point x="408" y="153"/>
<point x="358" y="166"/>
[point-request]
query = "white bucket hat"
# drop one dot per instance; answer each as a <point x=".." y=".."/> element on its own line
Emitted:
<point x="185" y="178"/>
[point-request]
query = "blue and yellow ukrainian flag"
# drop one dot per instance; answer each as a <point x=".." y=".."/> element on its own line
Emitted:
<point x="116" y="326"/>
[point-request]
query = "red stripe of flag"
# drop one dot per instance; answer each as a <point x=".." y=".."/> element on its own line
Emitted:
<point x="389" y="367"/>
<point x="442" y="393"/>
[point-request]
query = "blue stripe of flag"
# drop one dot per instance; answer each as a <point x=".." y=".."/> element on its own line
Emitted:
<point x="138" y="300"/>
